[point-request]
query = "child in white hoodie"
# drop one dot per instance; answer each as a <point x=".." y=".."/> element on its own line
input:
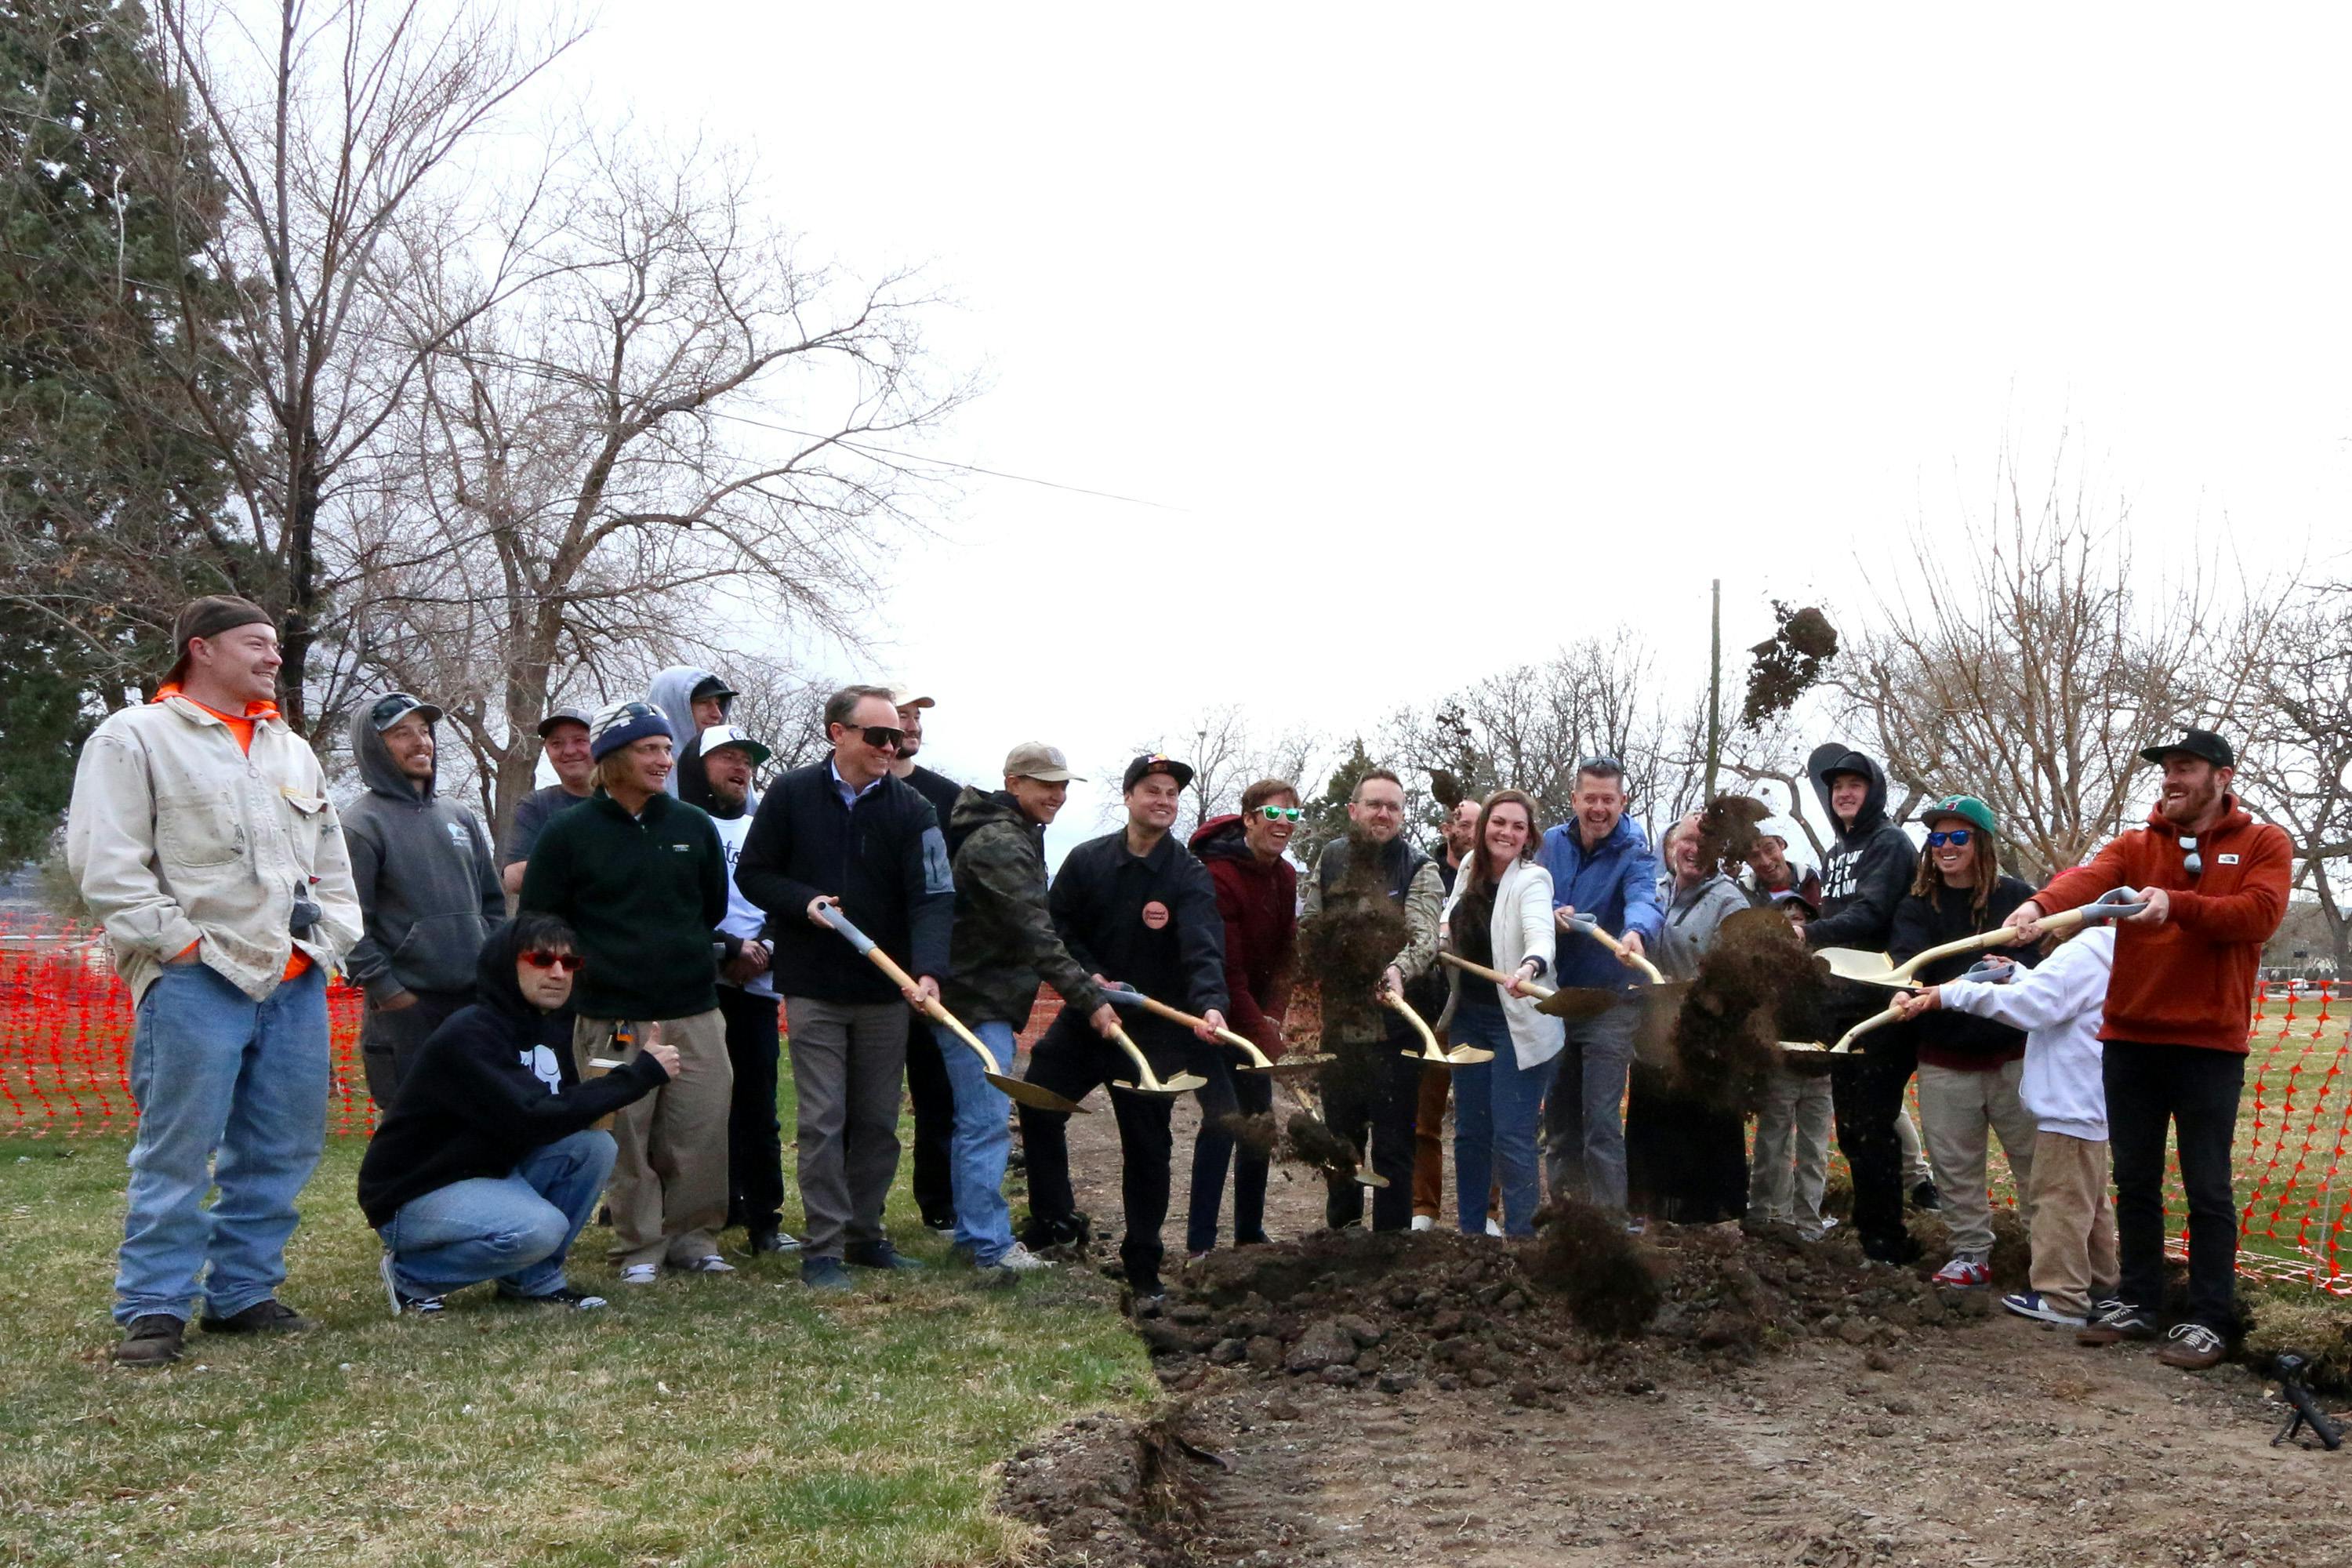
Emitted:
<point x="2073" y="1222"/>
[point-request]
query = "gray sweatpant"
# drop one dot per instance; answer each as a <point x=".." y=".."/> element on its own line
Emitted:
<point x="849" y="1063"/>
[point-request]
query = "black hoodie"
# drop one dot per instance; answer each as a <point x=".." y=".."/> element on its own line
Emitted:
<point x="1868" y="870"/>
<point x="486" y="1091"/>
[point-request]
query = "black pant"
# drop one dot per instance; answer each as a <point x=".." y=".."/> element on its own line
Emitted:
<point x="390" y="1043"/>
<point x="1866" y="1095"/>
<point x="1374" y="1087"/>
<point x="2195" y="1090"/>
<point x="755" y="1142"/>
<point x="1073" y="1060"/>
<point x="934" y="1097"/>
<point x="1228" y="1092"/>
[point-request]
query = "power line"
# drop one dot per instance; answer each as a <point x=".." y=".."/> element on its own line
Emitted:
<point x="863" y="449"/>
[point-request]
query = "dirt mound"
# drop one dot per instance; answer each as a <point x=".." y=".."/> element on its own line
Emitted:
<point x="1110" y="1493"/>
<point x="1572" y="1308"/>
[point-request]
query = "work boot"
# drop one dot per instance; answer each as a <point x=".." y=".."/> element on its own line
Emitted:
<point x="265" y="1316"/>
<point x="151" y="1341"/>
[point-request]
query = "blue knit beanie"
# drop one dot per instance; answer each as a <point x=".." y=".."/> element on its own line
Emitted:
<point x="618" y="723"/>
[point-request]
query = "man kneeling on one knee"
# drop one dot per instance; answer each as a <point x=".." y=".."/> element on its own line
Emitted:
<point x="489" y="1162"/>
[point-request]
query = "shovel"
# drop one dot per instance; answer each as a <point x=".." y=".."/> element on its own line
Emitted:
<point x="1994" y="970"/>
<point x="1030" y="1094"/>
<point x="1288" y="1067"/>
<point x="1877" y="969"/>
<point x="1459" y="1057"/>
<point x="1365" y="1175"/>
<point x="1146" y="1080"/>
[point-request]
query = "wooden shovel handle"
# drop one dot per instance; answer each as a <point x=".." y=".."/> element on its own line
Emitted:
<point x="1534" y="993"/>
<point x="1429" y="1040"/>
<point x="1996" y="937"/>
<point x="1240" y="1042"/>
<point x="1619" y="948"/>
<point x="1873" y="1022"/>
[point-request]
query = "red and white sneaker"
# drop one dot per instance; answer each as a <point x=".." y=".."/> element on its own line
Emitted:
<point x="1964" y="1273"/>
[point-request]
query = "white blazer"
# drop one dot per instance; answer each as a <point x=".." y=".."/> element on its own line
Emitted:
<point x="1522" y="929"/>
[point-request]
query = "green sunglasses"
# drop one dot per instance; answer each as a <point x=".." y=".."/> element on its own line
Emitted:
<point x="1282" y="813"/>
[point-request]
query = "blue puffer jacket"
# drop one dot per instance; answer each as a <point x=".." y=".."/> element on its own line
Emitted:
<point x="1616" y="882"/>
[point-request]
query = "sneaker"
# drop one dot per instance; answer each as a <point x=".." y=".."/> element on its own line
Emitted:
<point x="562" y="1296"/>
<point x="1963" y="1273"/>
<point x="879" y="1254"/>
<point x="1192" y="1258"/>
<point x="1255" y="1238"/>
<point x="2192" y="1347"/>
<point x="1021" y="1260"/>
<point x="400" y="1300"/>
<point x="2034" y="1305"/>
<point x="763" y="1241"/>
<point x="1494" y="1227"/>
<point x="1039" y="1236"/>
<point x="267" y="1317"/>
<point x="1896" y="1251"/>
<point x="825" y="1274"/>
<point x="1635" y="1227"/>
<point x="709" y="1263"/>
<point x="1425" y="1222"/>
<point x="944" y="1226"/>
<point x="2119" y="1322"/>
<point x="1925" y="1196"/>
<point x="154" y="1340"/>
<point x="640" y="1273"/>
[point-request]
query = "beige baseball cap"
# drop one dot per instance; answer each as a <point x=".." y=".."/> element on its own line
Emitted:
<point x="906" y="697"/>
<point x="1037" y="760"/>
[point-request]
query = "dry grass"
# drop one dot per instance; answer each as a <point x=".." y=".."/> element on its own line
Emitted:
<point x="701" y="1420"/>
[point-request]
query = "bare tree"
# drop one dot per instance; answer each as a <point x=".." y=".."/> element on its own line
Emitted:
<point x="2019" y="659"/>
<point x="677" y="435"/>
<point x="1227" y="755"/>
<point x="344" y="136"/>
<point x="2295" y="764"/>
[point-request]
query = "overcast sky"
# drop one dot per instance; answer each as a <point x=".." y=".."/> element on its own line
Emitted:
<point x="1442" y="337"/>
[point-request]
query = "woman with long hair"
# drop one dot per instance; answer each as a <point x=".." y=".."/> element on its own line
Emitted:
<point x="1968" y="1067"/>
<point x="1685" y="1142"/>
<point x="1500" y="917"/>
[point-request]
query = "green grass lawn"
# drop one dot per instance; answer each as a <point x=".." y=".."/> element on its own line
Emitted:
<point x="699" y="1421"/>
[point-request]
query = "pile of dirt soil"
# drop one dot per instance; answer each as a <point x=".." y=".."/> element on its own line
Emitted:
<point x="1539" y="1320"/>
<point x="1110" y="1493"/>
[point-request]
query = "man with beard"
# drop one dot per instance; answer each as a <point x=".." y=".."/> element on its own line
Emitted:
<point x="1374" y="1089"/>
<point x="2215" y="884"/>
<point x="747" y="1001"/>
<point x="928" y="1087"/>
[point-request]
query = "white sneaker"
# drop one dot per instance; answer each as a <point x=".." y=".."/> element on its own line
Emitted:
<point x="640" y="1274"/>
<point x="1021" y="1260"/>
<point x="710" y="1263"/>
<point x="1424" y="1222"/>
<point x="1493" y="1228"/>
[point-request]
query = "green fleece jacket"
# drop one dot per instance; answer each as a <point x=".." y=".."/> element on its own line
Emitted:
<point x="646" y="894"/>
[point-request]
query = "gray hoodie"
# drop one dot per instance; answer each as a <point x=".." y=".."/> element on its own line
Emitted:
<point x="428" y="888"/>
<point x="672" y="691"/>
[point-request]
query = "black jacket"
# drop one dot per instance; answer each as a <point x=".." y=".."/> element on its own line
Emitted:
<point x="886" y="861"/>
<point x="1869" y="868"/>
<point x="1147" y="921"/>
<point x="646" y="895"/>
<point x="942" y="792"/>
<point x="486" y="1091"/>
<point x="1948" y="1040"/>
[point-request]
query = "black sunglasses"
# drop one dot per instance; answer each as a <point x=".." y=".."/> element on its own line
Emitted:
<point x="877" y="735"/>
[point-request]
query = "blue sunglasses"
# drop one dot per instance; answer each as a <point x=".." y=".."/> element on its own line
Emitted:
<point x="1959" y="835"/>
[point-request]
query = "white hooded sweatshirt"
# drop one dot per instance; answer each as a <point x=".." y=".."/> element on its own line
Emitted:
<point x="2059" y="1007"/>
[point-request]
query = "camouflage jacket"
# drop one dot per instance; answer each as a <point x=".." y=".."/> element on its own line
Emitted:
<point x="1004" y="943"/>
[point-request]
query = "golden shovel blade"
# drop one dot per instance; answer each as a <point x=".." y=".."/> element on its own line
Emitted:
<point x="1289" y="1066"/>
<point x="1034" y="1094"/>
<point x="1167" y="1087"/>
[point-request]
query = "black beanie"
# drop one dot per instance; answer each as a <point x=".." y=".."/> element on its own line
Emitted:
<point x="208" y="618"/>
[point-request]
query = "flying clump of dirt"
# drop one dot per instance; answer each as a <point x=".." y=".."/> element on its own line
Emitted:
<point x="1785" y="668"/>
<point x="1727" y="832"/>
<point x="1344" y="948"/>
<point x="1259" y="1134"/>
<point x="1756" y="982"/>
<point x="1585" y="1256"/>
<point x="1310" y="1141"/>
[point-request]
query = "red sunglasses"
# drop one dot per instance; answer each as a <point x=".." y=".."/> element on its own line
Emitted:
<point x="562" y="962"/>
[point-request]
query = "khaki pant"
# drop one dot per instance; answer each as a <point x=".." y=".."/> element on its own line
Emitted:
<point x="1915" y="1159"/>
<point x="2073" y="1223"/>
<point x="1958" y="1113"/>
<point x="669" y="1195"/>
<point x="1792" y="1152"/>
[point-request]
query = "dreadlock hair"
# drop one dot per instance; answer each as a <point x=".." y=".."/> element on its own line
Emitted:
<point x="1928" y="883"/>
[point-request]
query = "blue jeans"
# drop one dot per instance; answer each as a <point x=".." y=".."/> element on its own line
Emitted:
<point x="984" y="1140"/>
<point x="1498" y="1107"/>
<point x="232" y="1093"/>
<point x="516" y="1228"/>
<point x="1584" y="1123"/>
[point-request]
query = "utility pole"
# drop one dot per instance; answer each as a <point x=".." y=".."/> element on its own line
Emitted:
<point x="1715" y="692"/>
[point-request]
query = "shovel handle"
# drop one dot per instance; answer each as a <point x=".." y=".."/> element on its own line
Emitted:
<point x="1428" y="1041"/>
<point x="2111" y="905"/>
<point x="1502" y="981"/>
<point x="1128" y="995"/>
<point x="1592" y="928"/>
<point x="1999" y="936"/>
<point x="882" y="961"/>
<point x="1846" y="1040"/>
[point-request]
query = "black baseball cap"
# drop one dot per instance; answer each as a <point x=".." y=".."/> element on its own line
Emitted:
<point x="1143" y="767"/>
<point x="2196" y="743"/>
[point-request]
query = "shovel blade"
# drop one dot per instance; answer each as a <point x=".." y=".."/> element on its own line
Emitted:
<point x="1183" y="1083"/>
<point x="1288" y="1067"/>
<point x="1854" y="963"/>
<point x="1468" y="1056"/>
<point x="1034" y="1094"/>
<point x="1370" y="1179"/>
<point x="1575" y="1003"/>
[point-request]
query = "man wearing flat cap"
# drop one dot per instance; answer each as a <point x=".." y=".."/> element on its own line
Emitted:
<point x="201" y="833"/>
<point x="428" y="891"/>
<point x="2178" y="1007"/>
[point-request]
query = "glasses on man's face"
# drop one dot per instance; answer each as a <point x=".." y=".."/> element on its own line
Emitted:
<point x="2194" y="863"/>
<point x="881" y="736"/>
<point x="562" y="962"/>
<point x="1957" y="837"/>
<point x="1281" y="813"/>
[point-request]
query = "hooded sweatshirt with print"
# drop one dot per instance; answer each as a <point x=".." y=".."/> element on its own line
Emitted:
<point x="672" y="691"/>
<point x="1868" y="868"/>
<point x="428" y="887"/>
<point x="487" y="1090"/>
